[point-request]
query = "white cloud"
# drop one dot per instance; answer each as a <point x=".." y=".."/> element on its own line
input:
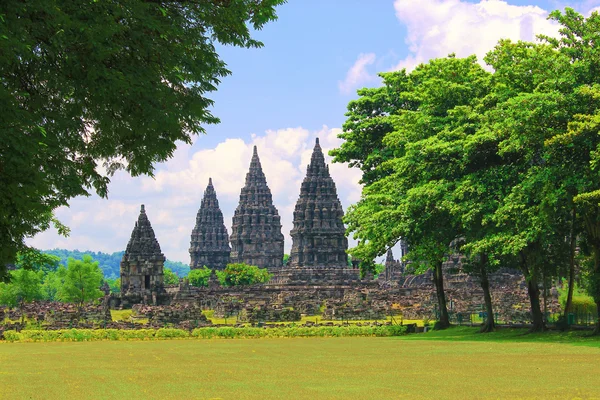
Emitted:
<point x="173" y="197"/>
<point x="358" y="75"/>
<point x="437" y="28"/>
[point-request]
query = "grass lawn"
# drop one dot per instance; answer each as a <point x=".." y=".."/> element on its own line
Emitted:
<point x="454" y="364"/>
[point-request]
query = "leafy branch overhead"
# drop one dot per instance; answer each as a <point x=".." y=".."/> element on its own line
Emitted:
<point x="91" y="87"/>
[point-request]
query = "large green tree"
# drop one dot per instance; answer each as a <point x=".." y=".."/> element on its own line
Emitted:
<point x="90" y="87"/>
<point x="81" y="281"/>
<point x="408" y="190"/>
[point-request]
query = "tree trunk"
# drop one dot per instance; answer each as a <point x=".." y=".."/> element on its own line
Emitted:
<point x="489" y="324"/>
<point x="534" y="297"/>
<point x="438" y="280"/>
<point x="545" y="295"/>
<point x="596" y="285"/>
<point x="572" y="248"/>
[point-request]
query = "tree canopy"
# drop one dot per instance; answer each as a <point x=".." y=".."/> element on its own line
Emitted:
<point x="91" y="87"/>
<point x="504" y="165"/>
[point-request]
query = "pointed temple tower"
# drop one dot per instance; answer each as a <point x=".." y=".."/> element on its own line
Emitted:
<point x="256" y="237"/>
<point x="319" y="236"/>
<point x="142" y="264"/>
<point x="210" y="242"/>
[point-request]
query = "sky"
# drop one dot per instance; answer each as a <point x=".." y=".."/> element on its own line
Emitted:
<point x="283" y="96"/>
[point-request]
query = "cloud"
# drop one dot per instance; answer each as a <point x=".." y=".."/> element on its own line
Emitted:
<point x="172" y="199"/>
<point x="358" y="75"/>
<point x="437" y="28"/>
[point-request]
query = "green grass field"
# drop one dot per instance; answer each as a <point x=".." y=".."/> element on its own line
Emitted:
<point x="454" y="364"/>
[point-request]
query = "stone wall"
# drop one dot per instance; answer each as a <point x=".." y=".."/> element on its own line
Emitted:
<point x="175" y="314"/>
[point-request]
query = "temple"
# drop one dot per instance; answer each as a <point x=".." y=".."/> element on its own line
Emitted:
<point x="318" y="236"/>
<point x="256" y="237"/>
<point x="142" y="265"/>
<point x="317" y="280"/>
<point x="209" y="244"/>
<point x="393" y="268"/>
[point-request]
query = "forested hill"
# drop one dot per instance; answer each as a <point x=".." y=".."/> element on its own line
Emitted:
<point x="110" y="263"/>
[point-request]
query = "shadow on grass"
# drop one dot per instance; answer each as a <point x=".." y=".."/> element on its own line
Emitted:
<point x="471" y="334"/>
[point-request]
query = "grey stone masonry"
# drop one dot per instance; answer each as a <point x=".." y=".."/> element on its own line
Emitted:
<point x="393" y="268"/>
<point x="210" y="242"/>
<point x="256" y="237"/>
<point x="318" y="236"/>
<point x="143" y="262"/>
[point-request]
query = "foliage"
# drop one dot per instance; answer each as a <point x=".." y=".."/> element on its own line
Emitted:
<point x="199" y="277"/>
<point x="24" y="287"/>
<point x="52" y="284"/>
<point x="111" y="263"/>
<point x="379" y="268"/>
<point x="170" y="278"/>
<point x="286" y="258"/>
<point x="503" y="165"/>
<point x="114" y="285"/>
<point x="180" y="269"/>
<point x="81" y="335"/>
<point x="106" y="83"/>
<point x="81" y="281"/>
<point x="242" y="274"/>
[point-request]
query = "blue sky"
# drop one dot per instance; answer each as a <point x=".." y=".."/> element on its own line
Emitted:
<point x="283" y="96"/>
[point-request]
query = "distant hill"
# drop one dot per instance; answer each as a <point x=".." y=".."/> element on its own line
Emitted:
<point x="110" y="263"/>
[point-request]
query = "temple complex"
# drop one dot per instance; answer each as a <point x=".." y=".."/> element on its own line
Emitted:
<point x="142" y="264"/>
<point x="393" y="268"/>
<point x="318" y="236"/>
<point x="210" y="242"/>
<point x="256" y="237"/>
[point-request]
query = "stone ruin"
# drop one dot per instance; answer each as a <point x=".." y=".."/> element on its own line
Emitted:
<point x="210" y="242"/>
<point x="316" y="281"/>
<point x="394" y="269"/>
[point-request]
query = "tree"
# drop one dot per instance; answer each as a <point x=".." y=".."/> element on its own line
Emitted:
<point x="103" y="83"/>
<point x="286" y="258"/>
<point x="199" y="277"/>
<point x="242" y="274"/>
<point x="114" y="285"/>
<point x="170" y="278"/>
<point x="24" y="287"/>
<point x="82" y="280"/>
<point x="407" y="194"/>
<point x="52" y="284"/>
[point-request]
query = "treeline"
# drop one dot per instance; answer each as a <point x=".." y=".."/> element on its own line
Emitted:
<point x="79" y="282"/>
<point x="502" y="167"/>
<point x="110" y="263"/>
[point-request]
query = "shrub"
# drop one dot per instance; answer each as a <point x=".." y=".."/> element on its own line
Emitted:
<point x="242" y="274"/>
<point x="81" y="335"/>
<point x="199" y="277"/>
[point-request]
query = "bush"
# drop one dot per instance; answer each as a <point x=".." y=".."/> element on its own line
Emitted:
<point x="298" y="331"/>
<point x="82" y="335"/>
<point x="243" y="274"/>
<point x="199" y="277"/>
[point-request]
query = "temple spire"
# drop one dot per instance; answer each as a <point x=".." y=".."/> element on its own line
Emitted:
<point x="142" y="263"/>
<point x="318" y="236"/>
<point x="256" y="236"/>
<point x="209" y="245"/>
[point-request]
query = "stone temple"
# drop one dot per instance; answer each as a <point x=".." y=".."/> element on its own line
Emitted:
<point x="142" y="264"/>
<point x="256" y="237"/>
<point x="210" y="242"/>
<point x="318" y="236"/>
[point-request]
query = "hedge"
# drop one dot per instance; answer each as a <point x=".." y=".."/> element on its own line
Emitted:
<point x="82" y="335"/>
